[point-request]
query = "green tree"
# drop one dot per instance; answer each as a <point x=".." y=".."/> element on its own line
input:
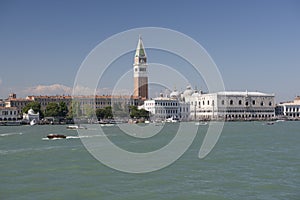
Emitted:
<point x="63" y="109"/>
<point x="104" y="113"/>
<point x="144" y="113"/>
<point x="136" y="113"/>
<point x="75" y="110"/>
<point x="52" y="110"/>
<point x="100" y="113"/>
<point x="108" y="112"/>
<point x="36" y="107"/>
<point x="120" y="110"/>
<point x="89" y="111"/>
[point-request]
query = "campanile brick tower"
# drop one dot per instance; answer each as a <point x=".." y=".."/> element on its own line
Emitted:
<point x="140" y="71"/>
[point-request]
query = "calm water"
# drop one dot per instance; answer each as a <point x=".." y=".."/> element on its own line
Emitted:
<point x="250" y="161"/>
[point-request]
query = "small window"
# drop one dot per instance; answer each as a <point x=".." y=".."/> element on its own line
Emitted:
<point x="262" y="103"/>
<point x="240" y="102"/>
<point x="231" y="102"/>
<point x="208" y="102"/>
<point x="253" y="102"/>
<point x="222" y="102"/>
<point x="246" y="103"/>
<point x="270" y="103"/>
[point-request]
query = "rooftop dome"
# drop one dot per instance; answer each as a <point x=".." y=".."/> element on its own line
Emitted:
<point x="196" y="94"/>
<point x="31" y="112"/>
<point x="188" y="91"/>
<point x="174" y="94"/>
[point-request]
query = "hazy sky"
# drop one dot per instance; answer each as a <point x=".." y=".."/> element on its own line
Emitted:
<point x="255" y="44"/>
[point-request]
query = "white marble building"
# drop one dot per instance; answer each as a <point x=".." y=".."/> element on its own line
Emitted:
<point x="289" y="109"/>
<point x="227" y="105"/>
<point x="231" y="105"/>
<point x="167" y="107"/>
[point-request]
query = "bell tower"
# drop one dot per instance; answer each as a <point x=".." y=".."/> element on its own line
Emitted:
<point x="140" y="71"/>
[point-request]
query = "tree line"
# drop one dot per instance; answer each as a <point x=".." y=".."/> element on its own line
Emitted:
<point x="52" y="109"/>
<point x="61" y="110"/>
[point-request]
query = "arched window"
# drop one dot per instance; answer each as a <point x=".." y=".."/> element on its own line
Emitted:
<point x="231" y="102"/>
<point x="222" y="102"/>
<point x="207" y="102"/>
<point x="270" y="103"/>
<point x="240" y="102"/>
<point x="247" y="103"/>
<point x="253" y="102"/>
<point x="262" y="103"/>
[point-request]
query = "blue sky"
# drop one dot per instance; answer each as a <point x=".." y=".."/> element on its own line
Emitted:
<point x="255" y="44"/>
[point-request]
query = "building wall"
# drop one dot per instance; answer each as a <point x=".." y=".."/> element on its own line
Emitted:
<point x="164" y="108"/>
<point x="19" y="103"/>
<point x="292" y="111"/>
<point x="228" y="106"/>
<point x="141" y="87"/>
<point x="45" y="100"/>
<point x="8" y="114"/>
<point x="289" y="109"/>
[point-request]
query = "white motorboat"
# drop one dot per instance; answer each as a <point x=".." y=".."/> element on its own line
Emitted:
<point x="201" y="123"/>
<point x="74" y="127"/>
<point x="33" y="122"/>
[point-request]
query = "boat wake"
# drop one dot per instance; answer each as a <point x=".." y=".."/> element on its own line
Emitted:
<point x="72" y="137"/>
<point x="52" y="138"/>
<point x="9" y="134"/>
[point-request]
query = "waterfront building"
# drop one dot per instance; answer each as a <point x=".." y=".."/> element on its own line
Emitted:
<point x="140" y="73"/>
<point x="289" y="109"/>
<point x="8" y="114"/>
<point x="95" y="102"/>
<point x="19" y="103"/>
<point x="167" y="107"/>
<point x="231" y="105"/>
<point x="44" y="100"/>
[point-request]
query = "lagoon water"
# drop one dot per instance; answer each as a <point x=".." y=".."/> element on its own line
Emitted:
<point x="250" y="161"/>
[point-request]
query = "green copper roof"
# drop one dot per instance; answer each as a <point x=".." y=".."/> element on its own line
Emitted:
<point x="140" y="50"/>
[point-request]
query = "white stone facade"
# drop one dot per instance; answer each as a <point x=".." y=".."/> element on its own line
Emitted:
<point x="231" y="106"/>
<point x="289" y="109"/>
<point x="8" y="114"/>
<point x="167" y="107"/>
<point x="195" y="105"/>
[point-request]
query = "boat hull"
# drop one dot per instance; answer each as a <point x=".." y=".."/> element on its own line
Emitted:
<point x="54" y="136"/>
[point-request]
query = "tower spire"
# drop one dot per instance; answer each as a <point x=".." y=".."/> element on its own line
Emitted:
<point x="140" y="71"/>
<point x="140" y="50"/>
